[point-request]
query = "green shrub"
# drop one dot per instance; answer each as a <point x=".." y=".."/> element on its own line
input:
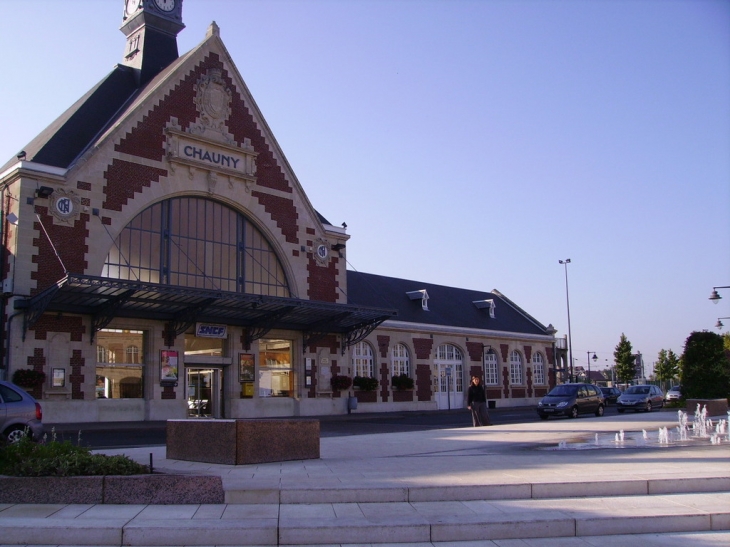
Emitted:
<point x="61" y="459"/>
<point x="27" y="377"/>
<point x="340" y="383"/>
<point x="402" y="381"/>
<point x="365" y="383"/>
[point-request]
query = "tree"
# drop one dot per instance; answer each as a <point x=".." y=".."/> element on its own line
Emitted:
<point x="667" y="366"/>
<point x="625" y="370"/>
<point x="705" y="367"/>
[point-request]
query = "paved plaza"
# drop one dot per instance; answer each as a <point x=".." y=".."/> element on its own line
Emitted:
<point x="560" y="482"/>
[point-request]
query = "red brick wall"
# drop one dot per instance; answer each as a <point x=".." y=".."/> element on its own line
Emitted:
<point x="124" y="179"/>
<point x="70" y="243"/>
<point x="322" y="280"/>
<point x="423" y="383"/>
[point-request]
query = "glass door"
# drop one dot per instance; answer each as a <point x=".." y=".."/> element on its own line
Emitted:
<point x="203" y="392"/>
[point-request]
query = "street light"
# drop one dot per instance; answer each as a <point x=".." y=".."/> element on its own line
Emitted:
<point x="589" y="363"/>
<point x="716" y="297"/>
<point x="567" y="299"/>
<point x="719" y="324"/>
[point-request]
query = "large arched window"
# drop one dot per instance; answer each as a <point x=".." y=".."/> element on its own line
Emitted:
<point x="196" y="242"/>
<point x="515" y="368"/>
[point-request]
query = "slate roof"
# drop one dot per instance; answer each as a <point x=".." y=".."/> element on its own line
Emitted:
<point x="73" y="131"/>
<point x="447" y="306"/>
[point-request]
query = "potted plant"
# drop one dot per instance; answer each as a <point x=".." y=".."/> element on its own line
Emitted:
<point x="340" y="383"/>
<point x="402" y="382"/>
<point x="26" y="377"/>
<point x="365" y="383"/>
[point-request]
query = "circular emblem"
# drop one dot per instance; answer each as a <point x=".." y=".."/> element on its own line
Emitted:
<point x="322" y="252"/>
<point x="65" y="206"/>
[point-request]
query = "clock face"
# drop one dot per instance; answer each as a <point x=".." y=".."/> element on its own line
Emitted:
<point x="131" y="6"/>
<point x="165" y="5"/>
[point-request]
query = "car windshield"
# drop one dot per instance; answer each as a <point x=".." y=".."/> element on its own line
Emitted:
<point x="675" y="388"/>
<point x="563" y="391"/>
<point x="638" y="390"/>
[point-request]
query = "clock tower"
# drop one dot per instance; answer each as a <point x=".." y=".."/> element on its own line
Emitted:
<point x="151" y="28"/>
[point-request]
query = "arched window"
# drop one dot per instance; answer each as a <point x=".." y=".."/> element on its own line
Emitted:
<point x="491" y="375"/>
<point x="515" y="368"/>
<point x="200" y="243"/>
<point x="538" y="368"/>
<point x="362" y="360"/>
<point x="400" y="361"/>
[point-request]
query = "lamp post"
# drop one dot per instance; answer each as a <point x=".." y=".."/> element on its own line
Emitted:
<point x="716" y="297"/>
<point x="719" y="323"/>
<point x="567" y="299"/>
<point x="589" y="363"/>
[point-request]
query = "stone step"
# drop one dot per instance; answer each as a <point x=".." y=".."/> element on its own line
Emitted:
<point x="247" y="491"/>
<point x="363" y="523"/>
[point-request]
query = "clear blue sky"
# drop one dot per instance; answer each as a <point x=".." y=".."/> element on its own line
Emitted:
<point x="470" y="143"/>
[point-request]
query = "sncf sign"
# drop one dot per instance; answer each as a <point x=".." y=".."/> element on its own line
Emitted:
<point x="206" y="330"/>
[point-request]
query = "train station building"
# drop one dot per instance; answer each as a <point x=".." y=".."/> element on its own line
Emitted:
<point x="161" y="260"/>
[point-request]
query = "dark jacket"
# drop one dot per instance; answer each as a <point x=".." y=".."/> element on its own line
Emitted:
<point x="475" y="394"/>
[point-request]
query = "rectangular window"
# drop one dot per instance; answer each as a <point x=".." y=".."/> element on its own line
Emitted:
<point x="539" y="371"/>
<point x="116" y="376"/>
<point x="276" y="378"/>
<point x="491" y="377"/>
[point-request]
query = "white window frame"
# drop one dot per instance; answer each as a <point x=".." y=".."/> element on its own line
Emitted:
<point x="538" y="369"/>
<point x="515" y="368"/>
<point x="362" y="360"/>
<point x="400" y="360"/>
<point x="491" y="369"/>
<point x="450" y="355"/>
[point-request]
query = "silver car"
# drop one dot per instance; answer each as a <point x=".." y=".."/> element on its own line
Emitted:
<point x="644" y="397"/>
<point x="674" y="393"/>
<point x="19" y="412"/>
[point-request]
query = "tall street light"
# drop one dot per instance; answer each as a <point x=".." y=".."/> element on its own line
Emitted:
<point x="716" y="297"/>
<point x="589" y="363"/>
<point x="719" y="323"/>
<point x="567" y="299"/>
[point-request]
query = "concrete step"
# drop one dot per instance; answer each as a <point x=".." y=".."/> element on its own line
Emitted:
<point x="248" y="491"/>
<point x="362" y="523"/>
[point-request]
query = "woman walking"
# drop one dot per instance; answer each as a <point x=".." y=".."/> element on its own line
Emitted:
<point x="476" y="401"/>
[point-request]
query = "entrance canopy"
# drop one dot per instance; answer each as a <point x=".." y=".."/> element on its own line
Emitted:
<point x="104" y="299"/>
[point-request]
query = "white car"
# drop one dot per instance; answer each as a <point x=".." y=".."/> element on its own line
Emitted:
<point x="674" y="394"/>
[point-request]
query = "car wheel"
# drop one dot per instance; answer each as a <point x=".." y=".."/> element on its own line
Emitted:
<point x="15" y="433"/>
<point x="543" y="416"/>
<point x="620" y="410"/>
<point x="599" y="411"/>
<point x="574" y="412"/>
<point x="648" y="406"/>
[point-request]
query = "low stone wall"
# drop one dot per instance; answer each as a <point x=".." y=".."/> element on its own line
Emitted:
<point x="156" y="489"/>
<point x="240" y="442"/>
<point x="715" y="407"/>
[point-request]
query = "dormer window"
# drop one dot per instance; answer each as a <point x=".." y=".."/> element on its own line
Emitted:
<point x="421" y="295"/>
<point x="484" y="304"/>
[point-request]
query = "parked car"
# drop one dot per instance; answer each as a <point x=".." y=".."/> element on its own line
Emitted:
<point x="19" y="412"/>
<point x="571" y="400"/>
<point x="673" y="394"/>
<point x="610" y="394"/>
<point x="642" y="397"/>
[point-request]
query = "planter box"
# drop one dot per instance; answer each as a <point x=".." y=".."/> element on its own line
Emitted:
<point x="715" y="407"/>
<point x="240" y="442"/>
<point x="403" y="396"/>
<point x="156" y="489"/>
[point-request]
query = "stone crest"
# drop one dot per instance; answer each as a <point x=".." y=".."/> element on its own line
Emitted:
<point x="65" y="205"/>
<point x="213" y="99"/>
